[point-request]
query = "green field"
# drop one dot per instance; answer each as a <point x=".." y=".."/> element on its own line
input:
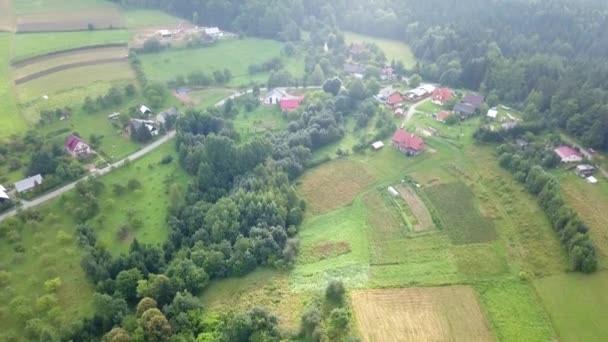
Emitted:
<point x="577" y="305"/>
<point x="235" y="55"/>
<point x="28" y="45"/>
<point x="136" y="18"/>
<point x="41" y="6"/>
<point x="262" y="119"/>
<point x="209" y="97"/>
<point x="392" y="49"/>
<point x="11" y="121"/>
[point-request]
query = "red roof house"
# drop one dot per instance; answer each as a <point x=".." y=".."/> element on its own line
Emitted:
<point x="395" y="99"/>
<point x="407" y="142"/>
<point x="441" y="116"/>
<point x="75" y="147"/>
<point x="441" y="95"/>
<point x="287" y="105"/>
<point x="568" y="154"/>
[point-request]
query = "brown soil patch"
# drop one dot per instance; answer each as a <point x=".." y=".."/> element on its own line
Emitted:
<point x="331" y="249"/>
<point x="450" y="313"/>
<point x="334" y="185"/>
<point x="425" y="221"/>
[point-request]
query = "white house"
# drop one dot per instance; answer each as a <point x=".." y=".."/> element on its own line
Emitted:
<point x="213" y="32"/>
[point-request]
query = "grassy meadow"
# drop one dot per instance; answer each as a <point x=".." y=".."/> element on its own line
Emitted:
<point x="393" y="49"/>
<point x="11" y="122"/>
<point x="138" y="18"/>
<point x="261" y="120"/>
<point x="209" y="97"/>
<point x="41" y="6"/>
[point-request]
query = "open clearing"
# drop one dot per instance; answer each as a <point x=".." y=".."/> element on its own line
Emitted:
<point x="36" y="44"/>
<point x="449" y="313"/>
<point x="393" y="49"/>
<point x="259" y="121"/>
<point x="334" y="184"/>
<point x="577" y="305"/>
<point x="11" y="121"/>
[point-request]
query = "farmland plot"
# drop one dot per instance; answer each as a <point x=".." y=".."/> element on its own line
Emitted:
<point x="449" y="313"/>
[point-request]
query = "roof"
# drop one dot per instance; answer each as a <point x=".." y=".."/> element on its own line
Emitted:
<point x="582" y="167"/>
<point x="143" y="109"/>
<point x="164" y="32"/>
<point x="408" y="140"/>
<point x="473" y="99"/>
<point x="162" y="116"/>
<point x="441" y="116"/>
<point x="386" y="92"/>
<point x="591" y="179"/>
<point x="212" y="30"/>
<point x="28" y="183"/>
<point x="71" y="142"/>
<point x="395" y="98"/>
<point x="566" y="152"/>
<point x="3" y="194"/>
<point x="378" y="145"/>
<point x="492" y="113"/>
<point x="442" y="94"/>
<point x="291" y="104"/>
<point x="464" y="108"/>
<point x="429" y="88"/>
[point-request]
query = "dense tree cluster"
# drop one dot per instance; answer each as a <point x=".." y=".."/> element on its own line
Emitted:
<point x="527" y="165"/>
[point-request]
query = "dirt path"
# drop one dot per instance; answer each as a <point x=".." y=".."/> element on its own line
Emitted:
<point x="59" y="68"/>
<point x="412" y="111"/>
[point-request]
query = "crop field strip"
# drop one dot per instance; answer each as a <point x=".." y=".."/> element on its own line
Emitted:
<point x="102" y="18"/>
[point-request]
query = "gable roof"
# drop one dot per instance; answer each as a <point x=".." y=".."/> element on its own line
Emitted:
<point x="464" y="108"/>
<point x="473" y="99"/>
<point x="395" y="98"/>
<point x="441" y="116"/>
<point x="290" y="104"/>
<point x="566" y="152"/>
<point x="144" y="110"/>
<point x="407" y="140"/>
<point x="3" y="194"/>
<point x="71" y="142"/>
<point x="442" y="94"/>
<point x="28" y="183"/>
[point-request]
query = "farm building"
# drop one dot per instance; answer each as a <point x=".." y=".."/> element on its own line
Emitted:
<point x="3" y="194"/>
<point x="568" y="154"/>
<point x="474" y="100"/>
<point x="464" y="109"/>
<point x="399" y="112"/>
<point x="492" y="113"/>
<point x="162" y="117"/>
<point x="276" y="95"/>
<point x="393" y="191"/>
<point x="407" y="142"/>
<point x="395" y="99"/>
<point x="419" y="93"/>
<point x="584" y="170"/>
<point x="144" y="110"/>
<point x="378" y="145"/>
<point x="28" y="184"/>
<point x="165" y="33"/>
<point x="75" y="147"/>
<point x="288" y="105"/>
<point x="441" y="116"/>
<point x="441" y="95"/>
<point x="213" y="32"/>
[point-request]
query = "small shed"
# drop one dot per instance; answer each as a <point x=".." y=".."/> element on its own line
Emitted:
<point x="584" y="170"/>
<point x="377" y="145"/>
<point x="591" y="179"/>
<point x="145" y="110"/>
<point x="393" y="191"/>
<point x="492" y="113"/>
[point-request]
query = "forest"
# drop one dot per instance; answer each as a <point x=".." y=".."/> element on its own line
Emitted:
<point x="550" y="62"/>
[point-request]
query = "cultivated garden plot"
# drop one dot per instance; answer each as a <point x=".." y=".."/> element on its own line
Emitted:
<point x="449" y="313"/>
<point x="424" y="221"/>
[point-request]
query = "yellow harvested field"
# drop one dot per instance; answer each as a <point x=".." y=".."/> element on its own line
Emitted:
<point x="449" y="313"/>
<point x="334" y="184"/>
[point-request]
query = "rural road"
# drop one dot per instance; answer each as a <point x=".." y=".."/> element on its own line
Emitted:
<point x="412" y="111"/>
<point x="147" y="149"/>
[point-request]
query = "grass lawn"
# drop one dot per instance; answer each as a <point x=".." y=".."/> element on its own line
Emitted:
<point x="11" y="121"/>
<point x="148" y="204"/>
<point x="136" y="18"/>
<point x="515" y="312"/>
<point x="34" y="44"/>
<point x="577" y="305"/>
<point x="235" y="55"/>
<point x="41" y="6"/>
<point x="261" y="120"/>
<point x="209" y="97"/>
<point x="393" y="49"/>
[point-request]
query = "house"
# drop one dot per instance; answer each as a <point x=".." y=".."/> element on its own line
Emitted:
<point x="407" y="142"/>
<point x="355" y="69"/>
<point x="213" y="32"/>
<point x="419" y="93"/>
<point x="584" y="170"/>
<point x="288" y="105"/>
<point x="28" y="184"/>
<point x="440" y="96"/>
<point x="136" y="124"/>
<point x="75" y="147"/>
<point x="162" y="117"/>
<point x="378" y="145"/>
<point x="276" y="95"/>
<point x="395" y="99"/>
<point x="464" y="109"/>
<point x="568" y="154"/>
<point x="165" y="33"/>
<point x="399" y="112"/>
<point x="474" y="100"/>
<point x="393" y="191"/>
<point x="144" y="110"/>
<point x="441" y="116"/>
<point x="384" y="93"/>
<point x="3" y="194"/>
<point x="492" y="113"/>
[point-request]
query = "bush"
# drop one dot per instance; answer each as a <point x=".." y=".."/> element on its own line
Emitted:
<point x="166" y="159"/>
<point x="335" y="291"/>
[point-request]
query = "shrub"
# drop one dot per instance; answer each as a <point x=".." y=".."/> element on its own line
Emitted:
<point x="335" y="291"/>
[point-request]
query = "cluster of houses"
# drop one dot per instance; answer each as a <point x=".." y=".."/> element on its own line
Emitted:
<point x="286" y="101"/>
<point x="211" y="33"/>
<point x="568" y="154"/>
<point x="153" y="125"/>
